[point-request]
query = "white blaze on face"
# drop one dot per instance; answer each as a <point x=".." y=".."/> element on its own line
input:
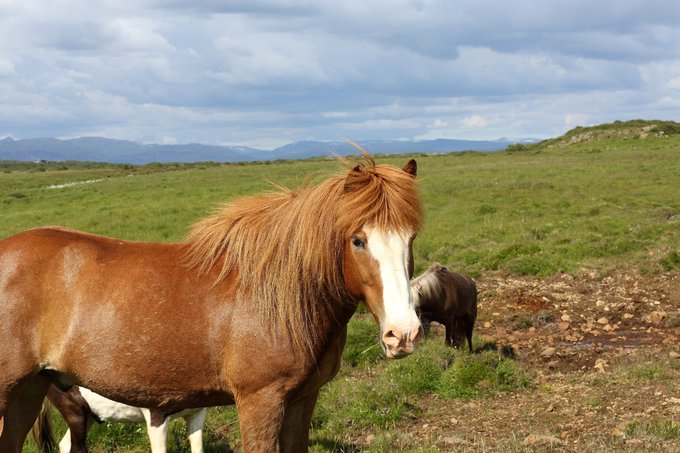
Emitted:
<point x="391" y="250"/>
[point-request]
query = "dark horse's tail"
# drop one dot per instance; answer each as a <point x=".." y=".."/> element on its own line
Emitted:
<point x="42" y="431"/>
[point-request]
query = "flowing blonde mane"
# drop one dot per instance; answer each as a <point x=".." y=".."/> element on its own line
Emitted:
<point x="287" y="247"/>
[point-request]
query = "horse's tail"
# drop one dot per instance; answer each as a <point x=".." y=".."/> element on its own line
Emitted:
<point x="42" y="430"/>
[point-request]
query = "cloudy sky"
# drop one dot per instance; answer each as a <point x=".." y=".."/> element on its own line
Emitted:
<point x="269" y="72"/>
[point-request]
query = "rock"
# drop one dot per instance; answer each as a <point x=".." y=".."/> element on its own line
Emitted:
<point x="565" y="318"/>
<point x="487" y="325"/>
<point x="563" y="326"/>
<point x="628" y="316"/>
<point x="548" y="352"/>
<point x="603" y="321"/>
<point x="600" y="365"/>
<point x="542" y="440"/>
<point x="673" y="355"/>
<point x="607" y="328"/>
<point x="656" y="317"/>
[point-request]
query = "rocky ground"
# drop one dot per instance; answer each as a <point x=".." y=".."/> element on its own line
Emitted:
<point x="602" y="352"/>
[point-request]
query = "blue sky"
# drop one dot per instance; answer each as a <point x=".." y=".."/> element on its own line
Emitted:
<point x="269" y="72"/>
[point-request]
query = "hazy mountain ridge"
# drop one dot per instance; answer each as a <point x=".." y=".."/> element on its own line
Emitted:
<point x="99" y="149"/>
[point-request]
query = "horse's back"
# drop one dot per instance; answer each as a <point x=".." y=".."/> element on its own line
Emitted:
<point x="462" y="293"/>
<point x="84" y="306"/>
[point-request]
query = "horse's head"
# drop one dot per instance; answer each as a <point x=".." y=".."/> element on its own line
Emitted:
<point x="378" y="254"/>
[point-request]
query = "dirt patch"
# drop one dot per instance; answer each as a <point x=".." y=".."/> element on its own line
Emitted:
<point x="602" y="351"/>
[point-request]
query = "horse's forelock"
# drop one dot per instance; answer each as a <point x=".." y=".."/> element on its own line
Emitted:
<point x="381" y="196"/>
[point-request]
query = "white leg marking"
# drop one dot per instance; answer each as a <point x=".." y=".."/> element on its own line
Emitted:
<point x="65" y="444"/>
<point x="195" y="423"/>
<point x="158" y="435"/>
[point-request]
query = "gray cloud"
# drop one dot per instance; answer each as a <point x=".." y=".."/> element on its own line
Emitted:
<point x="267" y="72"/>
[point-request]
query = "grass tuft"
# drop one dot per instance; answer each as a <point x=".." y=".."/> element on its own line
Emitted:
<point x="475" y="376"/>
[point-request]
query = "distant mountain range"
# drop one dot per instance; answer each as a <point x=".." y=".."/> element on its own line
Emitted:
<point x="97" y="149"/>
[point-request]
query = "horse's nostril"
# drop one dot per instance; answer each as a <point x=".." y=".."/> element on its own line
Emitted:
<point x="390" y="338"/>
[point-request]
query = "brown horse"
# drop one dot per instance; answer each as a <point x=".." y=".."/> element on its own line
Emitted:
<point x="449" y="299"/>
<point x="251" y="309"/>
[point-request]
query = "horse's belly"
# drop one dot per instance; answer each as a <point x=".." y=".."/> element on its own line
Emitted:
<point x="109" y="410"/>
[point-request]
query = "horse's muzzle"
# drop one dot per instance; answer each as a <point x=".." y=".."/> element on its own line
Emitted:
<point x="398" y="345"/>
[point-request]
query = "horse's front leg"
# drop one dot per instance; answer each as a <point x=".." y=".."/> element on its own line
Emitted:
<point x="294" y="436"/>
<point x="260" y="418"/>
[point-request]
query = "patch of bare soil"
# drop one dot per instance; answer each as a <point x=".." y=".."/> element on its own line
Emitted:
<point x="602" y="352"/>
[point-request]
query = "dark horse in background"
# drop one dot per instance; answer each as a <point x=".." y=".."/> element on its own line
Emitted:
<point x="252" y="309"/>
<point x="448" y="298"/>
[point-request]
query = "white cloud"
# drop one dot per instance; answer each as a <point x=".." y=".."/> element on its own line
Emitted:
<point x="438" y="124"/>
<point x="474" y="122"/>
<point x="575" y="119"/>
<point x="271" y="71"/>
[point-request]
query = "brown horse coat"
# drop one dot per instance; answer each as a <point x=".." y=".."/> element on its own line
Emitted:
<point x="448" y="298"/>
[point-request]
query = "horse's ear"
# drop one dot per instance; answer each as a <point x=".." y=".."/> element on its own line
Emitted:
<point x="411" y="167"/>
<point x="354" y="176"/>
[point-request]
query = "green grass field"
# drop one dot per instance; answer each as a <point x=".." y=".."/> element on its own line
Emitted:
<point x="606" y="203"/>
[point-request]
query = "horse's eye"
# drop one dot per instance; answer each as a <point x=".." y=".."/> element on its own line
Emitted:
<point x="358" y="243"/>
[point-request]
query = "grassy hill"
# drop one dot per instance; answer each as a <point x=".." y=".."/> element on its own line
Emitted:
<point x="598" y="200"/>
<point x="562" y="205"/>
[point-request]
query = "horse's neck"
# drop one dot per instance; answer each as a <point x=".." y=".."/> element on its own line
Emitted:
<point x="335" y="319"/>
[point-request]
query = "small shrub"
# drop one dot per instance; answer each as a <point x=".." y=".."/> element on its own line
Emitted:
<point x="420" y="373"/>
<point x="661" y="428"/>
<point x="670" y="261"/>
<point x="523" y="322"/>
<point x="517" y="147"/>
<point x="474" y="376"/>
<point x="647" y="372"/>
<point x="486" y="209"/>
<point x="664" y="429"/>
<point x="535" y="265"/>
<point x="544" y="317"/>
<point x="511" y="252"/>
<point x="357" y="404"/>
<point x="672" y="320"/>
